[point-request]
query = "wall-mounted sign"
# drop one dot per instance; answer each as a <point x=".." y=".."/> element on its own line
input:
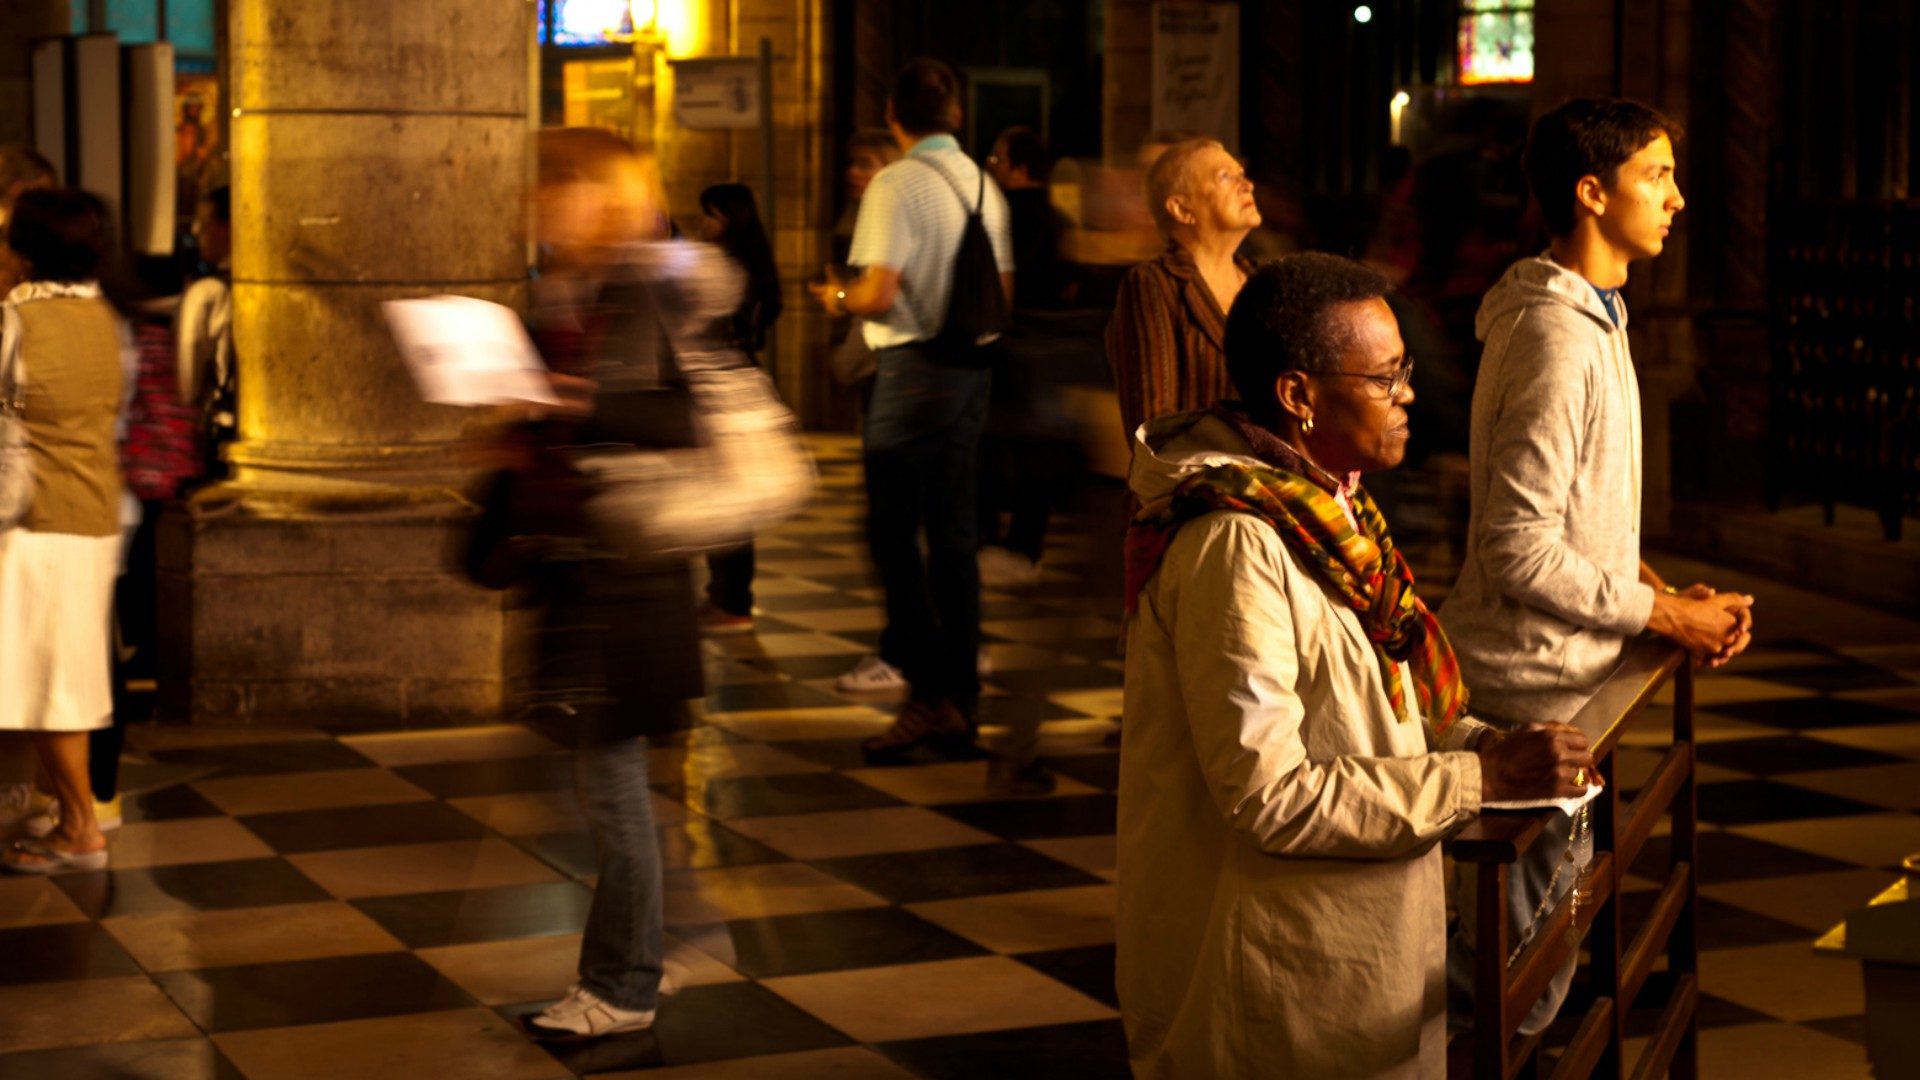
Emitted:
<point x="717" y="92"/>
<point x="1196" y="70"/>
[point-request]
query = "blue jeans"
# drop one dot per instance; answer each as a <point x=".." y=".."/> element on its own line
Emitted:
<point x="1528" y="883"/>
<point x="624" y="944"/>
<point x="921" y="447"/>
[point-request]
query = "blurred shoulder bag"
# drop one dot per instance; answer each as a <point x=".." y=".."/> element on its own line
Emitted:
<point x="748" y="470"/>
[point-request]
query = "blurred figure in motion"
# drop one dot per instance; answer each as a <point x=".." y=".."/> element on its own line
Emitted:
<point x="65" y="354"/>
<point x="615" y="311"/>
<point x="1022" y="449"/>
<point x="1165" y="342"/>
<point x="730" y="219"/>
<point x="203" y="334"/>
<point x="851" y="358"/>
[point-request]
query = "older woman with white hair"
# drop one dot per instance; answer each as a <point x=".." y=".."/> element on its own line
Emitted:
<point x="1169" y="322"/>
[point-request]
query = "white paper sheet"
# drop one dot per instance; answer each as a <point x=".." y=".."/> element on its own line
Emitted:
<point x="463" y="351"/>
<point x="1566" y="806"/>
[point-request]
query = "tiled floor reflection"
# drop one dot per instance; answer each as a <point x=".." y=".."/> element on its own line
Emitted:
<point x="286" y="904"/>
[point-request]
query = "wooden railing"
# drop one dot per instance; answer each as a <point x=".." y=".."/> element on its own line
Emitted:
<point x="1504" y="991"/>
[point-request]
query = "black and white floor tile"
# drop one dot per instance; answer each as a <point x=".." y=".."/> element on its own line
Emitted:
<point x="293" y="903"/>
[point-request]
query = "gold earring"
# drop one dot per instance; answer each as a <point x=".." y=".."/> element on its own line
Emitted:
<point x="1306" y="426"/>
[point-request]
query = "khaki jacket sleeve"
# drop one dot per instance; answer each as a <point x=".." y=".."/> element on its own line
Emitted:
<point x="1235" y="648"/>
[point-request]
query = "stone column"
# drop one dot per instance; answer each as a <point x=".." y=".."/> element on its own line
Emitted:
<point x="21" y="21"/>
<point x="379" y="151"/>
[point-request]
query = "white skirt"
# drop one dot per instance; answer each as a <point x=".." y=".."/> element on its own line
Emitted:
<point x="56" y="619"/>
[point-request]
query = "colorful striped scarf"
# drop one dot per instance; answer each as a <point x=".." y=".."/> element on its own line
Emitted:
<point x="1363" y="567"/>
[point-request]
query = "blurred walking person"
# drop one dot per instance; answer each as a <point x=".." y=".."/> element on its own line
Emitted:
<point x="850" y="357"/>
<point x="64" y="353"/>
<point x="617" y="310"/>
<point x="203" y="333"/>
<point x="730" y="219"/>
<point x="1027" y="455"/>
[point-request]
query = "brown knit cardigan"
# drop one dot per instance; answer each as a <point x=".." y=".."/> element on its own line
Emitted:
<point x="1165" y="341"/>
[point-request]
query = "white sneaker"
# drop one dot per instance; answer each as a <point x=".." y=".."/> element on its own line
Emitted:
<point x="582" y="1015"/>
<point x="21" y="803"/>
<point x="1001" y="568"/>
<point x="871" y="675"/>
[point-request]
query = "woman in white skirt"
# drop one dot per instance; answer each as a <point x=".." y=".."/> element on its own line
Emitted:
<point x="62" y="345"/>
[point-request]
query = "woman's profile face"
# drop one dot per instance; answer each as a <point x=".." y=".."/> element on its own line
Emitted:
<point x="1360" y="415"/>
<point x="712" y="225"/>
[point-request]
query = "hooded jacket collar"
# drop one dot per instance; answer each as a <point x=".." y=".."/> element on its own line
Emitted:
<point x="1540" y="280"/>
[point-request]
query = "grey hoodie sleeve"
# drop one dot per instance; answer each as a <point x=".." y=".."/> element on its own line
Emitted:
<point x="1533" y="460"/>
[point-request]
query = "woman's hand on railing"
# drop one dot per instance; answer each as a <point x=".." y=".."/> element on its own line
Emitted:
<point x="1540" y="761"/>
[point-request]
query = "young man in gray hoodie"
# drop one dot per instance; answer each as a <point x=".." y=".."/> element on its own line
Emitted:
<point x="1553" y="588"/>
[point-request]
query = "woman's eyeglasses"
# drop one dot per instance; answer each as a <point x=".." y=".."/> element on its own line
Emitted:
<point x="1391" y="384"/>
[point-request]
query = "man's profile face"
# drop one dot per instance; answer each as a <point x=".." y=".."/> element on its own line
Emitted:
<point x="1219" y="193"/>
<point x="1641" y="203"/>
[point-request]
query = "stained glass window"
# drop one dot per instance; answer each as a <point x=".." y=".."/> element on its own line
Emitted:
<point x="1496" y="41"/>
<point x="592" y="22"/>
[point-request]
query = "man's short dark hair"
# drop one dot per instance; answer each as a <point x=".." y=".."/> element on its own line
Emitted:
<point x="1587" y="137"/>
<point x="1283" y="321"/>
<point x="64" y="234"/>
<point x="926" y="97"/>
<point x="1025" y="149"/>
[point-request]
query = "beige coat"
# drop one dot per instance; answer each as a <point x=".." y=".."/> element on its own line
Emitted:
<point x="1281" y="904"/>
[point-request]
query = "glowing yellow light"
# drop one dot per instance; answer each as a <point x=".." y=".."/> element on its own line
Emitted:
<point x="1396" y="109"/>
<point x="678" y="22"/>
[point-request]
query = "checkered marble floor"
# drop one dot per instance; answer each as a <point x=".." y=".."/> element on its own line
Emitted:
<point x="302" y="903"/>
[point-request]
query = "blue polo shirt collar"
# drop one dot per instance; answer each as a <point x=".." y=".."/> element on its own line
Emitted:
<point x="935" y="142"/>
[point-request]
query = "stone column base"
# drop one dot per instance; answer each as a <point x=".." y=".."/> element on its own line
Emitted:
<point x="329" y="619"/>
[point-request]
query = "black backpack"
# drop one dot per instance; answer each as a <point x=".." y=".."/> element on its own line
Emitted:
<point x="977" y="310"/>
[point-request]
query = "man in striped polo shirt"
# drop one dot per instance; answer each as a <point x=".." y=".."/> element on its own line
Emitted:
<point x="923" y="423"/>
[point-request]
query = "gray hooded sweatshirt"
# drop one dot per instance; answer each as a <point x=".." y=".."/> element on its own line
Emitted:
<point x="1551" y="592"/>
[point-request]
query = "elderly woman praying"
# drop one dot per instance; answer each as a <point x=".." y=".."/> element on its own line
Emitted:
<point x="1296" y="739"/>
